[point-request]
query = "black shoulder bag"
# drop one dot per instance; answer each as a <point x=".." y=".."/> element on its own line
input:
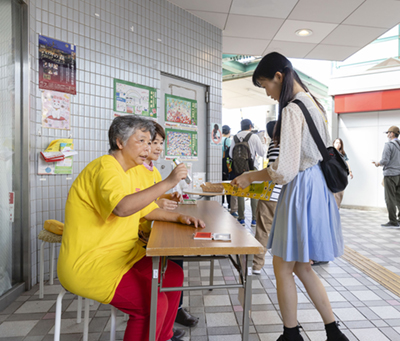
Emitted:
<point x="333" y="165"/>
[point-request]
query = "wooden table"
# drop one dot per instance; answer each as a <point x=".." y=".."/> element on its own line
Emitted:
<point x="168" y="240"/>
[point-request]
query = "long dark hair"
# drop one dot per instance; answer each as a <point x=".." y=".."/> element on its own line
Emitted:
<point x="341" y="150"/>
<point x="267" y="68"/>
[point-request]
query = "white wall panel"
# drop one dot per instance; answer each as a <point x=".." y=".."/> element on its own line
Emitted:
<point x="364" y="138"/>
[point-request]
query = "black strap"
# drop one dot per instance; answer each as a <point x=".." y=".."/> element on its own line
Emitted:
<point x="236" y="139"/>
<point x="247" y="138"/>
<point x="225" y="144"/>
<point x="313" y="130"/>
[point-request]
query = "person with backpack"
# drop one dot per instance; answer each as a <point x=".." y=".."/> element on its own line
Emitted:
<point x="307" y="222"/>
<point x="226" y="160"/>
<point x="244" y="148"/>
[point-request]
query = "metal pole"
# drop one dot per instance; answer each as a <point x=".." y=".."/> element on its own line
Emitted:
<point x="247" y="297"/>
<point x="154" y="296"/>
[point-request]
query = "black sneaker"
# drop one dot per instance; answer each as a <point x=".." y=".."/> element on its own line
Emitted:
<point x="178" y="333"/>
<point x="391" y="225"/>
<point x="316" y="262"/>
<point x="184" y="318"/>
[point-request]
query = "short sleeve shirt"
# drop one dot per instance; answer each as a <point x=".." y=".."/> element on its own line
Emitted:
<point x="98" y="247"/>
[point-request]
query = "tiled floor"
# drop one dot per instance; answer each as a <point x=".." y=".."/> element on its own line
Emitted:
<point x="365" y="309"/>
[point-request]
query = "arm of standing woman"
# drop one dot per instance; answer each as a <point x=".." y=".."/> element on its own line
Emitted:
<point x="247" y="178"/>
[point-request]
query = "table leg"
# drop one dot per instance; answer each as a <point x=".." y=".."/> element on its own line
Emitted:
<point x="211" y="272"/>
<point x="154" y="296"/>
<point x="247" y="297"/>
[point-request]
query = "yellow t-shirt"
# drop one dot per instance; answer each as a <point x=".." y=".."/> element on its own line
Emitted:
<point x="98" y="247"/>
<point x="147" y="179"/>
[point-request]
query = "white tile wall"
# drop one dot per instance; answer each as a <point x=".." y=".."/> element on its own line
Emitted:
<point x="134" y="40"/>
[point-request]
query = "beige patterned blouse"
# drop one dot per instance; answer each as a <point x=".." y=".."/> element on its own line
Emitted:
<point x="298" y="150"/>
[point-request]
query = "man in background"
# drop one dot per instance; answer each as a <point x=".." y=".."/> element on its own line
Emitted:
<point x="256" y="147"/>
<point x="266" y="209"/>
<point x="391" y="176"/>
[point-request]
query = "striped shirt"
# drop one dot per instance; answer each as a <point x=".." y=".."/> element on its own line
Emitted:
<point x="272" y="155"/>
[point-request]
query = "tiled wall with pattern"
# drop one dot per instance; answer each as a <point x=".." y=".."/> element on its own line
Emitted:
<point x="133" y="40"/>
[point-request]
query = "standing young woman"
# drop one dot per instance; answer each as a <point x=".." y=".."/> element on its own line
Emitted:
<point x="338" y="144"/>
<point x="307" y="222"/>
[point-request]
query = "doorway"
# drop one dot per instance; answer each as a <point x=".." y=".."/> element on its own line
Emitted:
<point x="11" y="142"/>
<point x="182" y="88"/>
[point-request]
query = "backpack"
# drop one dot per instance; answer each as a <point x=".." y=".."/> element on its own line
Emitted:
<point x="226" y="162"/>
<point x="241" y="156"/>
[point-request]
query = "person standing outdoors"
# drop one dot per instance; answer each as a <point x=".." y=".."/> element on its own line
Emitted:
<point x="256" y="148"/>
<point x="226" y="160"/>
<point x="307" y="221"/>
<point x="338" y="144"/>
<point x="266" y="209"/>
<point x="391" y="176"/>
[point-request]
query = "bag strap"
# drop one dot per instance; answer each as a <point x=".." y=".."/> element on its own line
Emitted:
<point x="313" y="130"/>
<point x="225" y="144"/>
<point x="236" y="139"/>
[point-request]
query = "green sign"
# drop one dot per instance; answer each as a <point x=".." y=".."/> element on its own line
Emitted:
<point x="181" y="144"/>
<point x="180" y="110"/>
<point x="131" y="98"/>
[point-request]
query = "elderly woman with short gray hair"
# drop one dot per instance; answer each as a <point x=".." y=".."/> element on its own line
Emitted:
<point x="100" y="257"/>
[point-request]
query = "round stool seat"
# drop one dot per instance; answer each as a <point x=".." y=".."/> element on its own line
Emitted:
<point x="49" y="237"/>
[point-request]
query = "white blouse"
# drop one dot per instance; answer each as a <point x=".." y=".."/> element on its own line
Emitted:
<point x="298" y="150"/>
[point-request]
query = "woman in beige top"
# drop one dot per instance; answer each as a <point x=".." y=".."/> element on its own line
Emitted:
<point x="307" y="222"/>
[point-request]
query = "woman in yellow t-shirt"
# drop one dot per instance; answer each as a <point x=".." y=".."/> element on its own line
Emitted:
<point x="100" y="257"/>
<point x="149" y="175"/>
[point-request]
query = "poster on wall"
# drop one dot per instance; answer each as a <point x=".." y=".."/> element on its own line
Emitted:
<point x="180" y="110"/>
<point x="216" y="134"/>
<point x="180" y="144"/>
<point x="56" y="110"/>
<point x="131" y="98"/>
<point x="57" y="65"/>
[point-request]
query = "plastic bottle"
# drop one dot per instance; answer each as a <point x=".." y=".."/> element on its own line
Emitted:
<point x="188" y="179"/>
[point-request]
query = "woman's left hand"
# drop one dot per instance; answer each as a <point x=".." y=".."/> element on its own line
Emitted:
<point x="189" y="220"/>
<point x="242" y="181"/>
<point x="351" y="175"/>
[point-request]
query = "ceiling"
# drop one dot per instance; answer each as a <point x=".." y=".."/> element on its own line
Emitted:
<point x="257" y="27"/>
<point x="241" y="93"/>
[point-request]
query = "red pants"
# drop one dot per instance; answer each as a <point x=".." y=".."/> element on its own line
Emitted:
<point x="133" y="296"/>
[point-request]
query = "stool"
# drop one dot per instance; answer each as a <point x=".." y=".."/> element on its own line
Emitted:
<point x="57" y="326"/>
<point x="47" y="237"/>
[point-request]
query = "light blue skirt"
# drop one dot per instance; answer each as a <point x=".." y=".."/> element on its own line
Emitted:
<point x="307" y="221"/>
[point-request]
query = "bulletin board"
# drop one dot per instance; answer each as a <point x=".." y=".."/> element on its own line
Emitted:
<point x="131" y="98"/>
<point x="181" y="144"/>
<point x="180" y="110"/>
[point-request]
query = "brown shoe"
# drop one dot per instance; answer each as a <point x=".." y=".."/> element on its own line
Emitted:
<point x="184" y="318"/>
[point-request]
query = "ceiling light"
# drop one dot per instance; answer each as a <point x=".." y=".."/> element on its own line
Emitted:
<point x="304" y="32"/>
<point x="97" y="14"/>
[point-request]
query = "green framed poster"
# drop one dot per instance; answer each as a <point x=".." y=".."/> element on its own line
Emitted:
<point x="180" y="144"/>
<point x="180" y="110"/>
<point x="131" y="98"/>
